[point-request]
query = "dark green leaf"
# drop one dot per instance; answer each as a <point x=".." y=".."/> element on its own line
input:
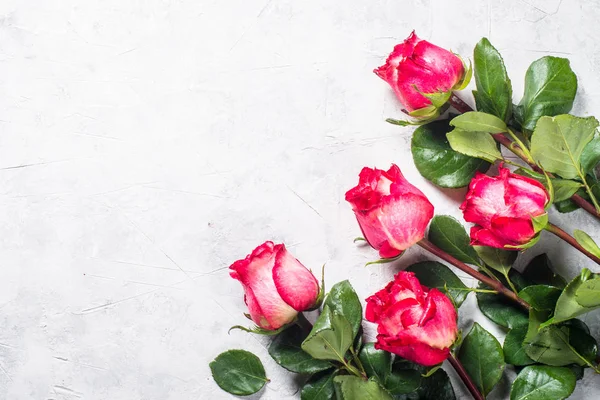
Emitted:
<point x="436" y="275"/>
<point x="286" y="350"/>
<point x="558" y="142"/>
<point x="498" y="259"/>
<point x="566" y="206"/>
<point x="550" y="87"/>
<point x="591" y="155"/>
<point x="501" y="310"/>
<point x="588" y="294"/>
<point x="514" y="352"/>
<point x="402" y="380"/>
<point x="541" y="382"/>
<point x="482" y="357"/>
<point x="348" y="387"/>
<point x="554" y="344"/>
<point x="377" y="363"/>
<point x="540" y="271"/>
<point x="437" y="162"/>
<point x="474" y="144"/>
<point x="238" y="372"/>
<point x="319" y="387"/>
<point x="494" y="90"/>
<point x="581" y="340"/>
<point x="449" y="235"/>
<point x="474" y="121"/>
<point x="541" y="297"/>
<point x="342" y="299"/>
<point x="436" y="386"/>
<point x="330" y="337"/>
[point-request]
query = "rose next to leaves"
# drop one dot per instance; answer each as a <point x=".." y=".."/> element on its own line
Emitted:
<point x="414" y="330"/>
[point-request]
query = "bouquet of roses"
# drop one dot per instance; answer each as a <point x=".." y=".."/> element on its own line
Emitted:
<point x="415" y="315"/>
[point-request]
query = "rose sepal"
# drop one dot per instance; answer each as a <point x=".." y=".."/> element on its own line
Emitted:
<point x="321" y="295"/>
<point x="539" y="222"/>
<point x="261" y="331"/>
<point x="464" y="82"/>
<point x="525" y="246"/>
<point x="384" y="260"/>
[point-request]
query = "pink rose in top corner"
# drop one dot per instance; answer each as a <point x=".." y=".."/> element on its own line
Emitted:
<point x="504" y="208"/>
<point x="392" y="214"/>
<point x="276" y="285"/>
<point x="413" y="321"/>
<point x="417" y="66"/>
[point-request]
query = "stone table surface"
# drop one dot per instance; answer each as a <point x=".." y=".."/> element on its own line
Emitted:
<point x="146" y="145"/>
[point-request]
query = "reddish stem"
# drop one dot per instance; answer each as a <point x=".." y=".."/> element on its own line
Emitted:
<point x="494" y="284"/>
<point x="571" y="240"/>
<point x="463" y="107"/>
<point x="460" y="370"/>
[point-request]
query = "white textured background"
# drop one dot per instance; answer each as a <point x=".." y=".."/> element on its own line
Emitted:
<point x="146" y="145"/>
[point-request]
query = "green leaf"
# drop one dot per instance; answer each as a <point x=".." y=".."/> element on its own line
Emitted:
<point x="540" y="271"/>
<point x="564" y="189"/>
<point x="588" y="294"/>
<point x="436" y="386"/>
<point x="494" y="90"/>
<point x="498" y="259"/>
<point x="556" y="344"/>
<point x="377" y="363"/>
<point x="501" y="310"/>
<point x="437" y="162"/>
<point x="558" y="142"/>
<point x="590" y="157"/>
<point x="348" y="387"/>
<point x="475" y="121"/>
<point x="514" y="352"/>
<point x="330" y="337"/>
<point x="449" y="235"/>
<point x="567" y="306"/>
<point x="541" y="382"/>
<point x="475" y="144"/>
<point x="586" y="242"/>
<point x="238" y="372"/>
<point x="342" y="299"/>
<point x="286" y="350"/>
<point x="482" y="357"/>
<point x="319" y="387"/>
<point x="436" y="275"/>
<point x="550" y="87"/>
<point x="402" y="380"/>
<point x="541" y="297"/>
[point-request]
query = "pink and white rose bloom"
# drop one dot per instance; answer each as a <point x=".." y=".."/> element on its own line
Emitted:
<point x="276" y="285"/>
<point x="413" y="321"/>
<point x="392" y="214"/>
<point x="502" y="207"/>
<point x="416" y="67"/>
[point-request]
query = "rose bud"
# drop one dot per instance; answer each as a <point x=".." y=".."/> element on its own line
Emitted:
<point x="417" y="68"/>
<point x="276" y="285"/>
<point x="392" y="213"/>
<point x="413" y="321"/>
<point x="508" y="210"/>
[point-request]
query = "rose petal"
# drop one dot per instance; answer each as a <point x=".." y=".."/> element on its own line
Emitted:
<point x="296" y="285"/>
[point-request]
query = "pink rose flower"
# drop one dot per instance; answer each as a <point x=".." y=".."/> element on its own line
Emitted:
<point x="417" y="66"/>
<point x="392" y="213"/>
<point x="502" y="207"/>
<point x="276" y="285"/>
<point x="413" y="321"/>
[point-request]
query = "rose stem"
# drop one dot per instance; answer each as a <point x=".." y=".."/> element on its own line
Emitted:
<point x="460" y="370"/>
<point x="496" y="285"/>
<point x="463" y="107"/>
<point x="571" y="240"/>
